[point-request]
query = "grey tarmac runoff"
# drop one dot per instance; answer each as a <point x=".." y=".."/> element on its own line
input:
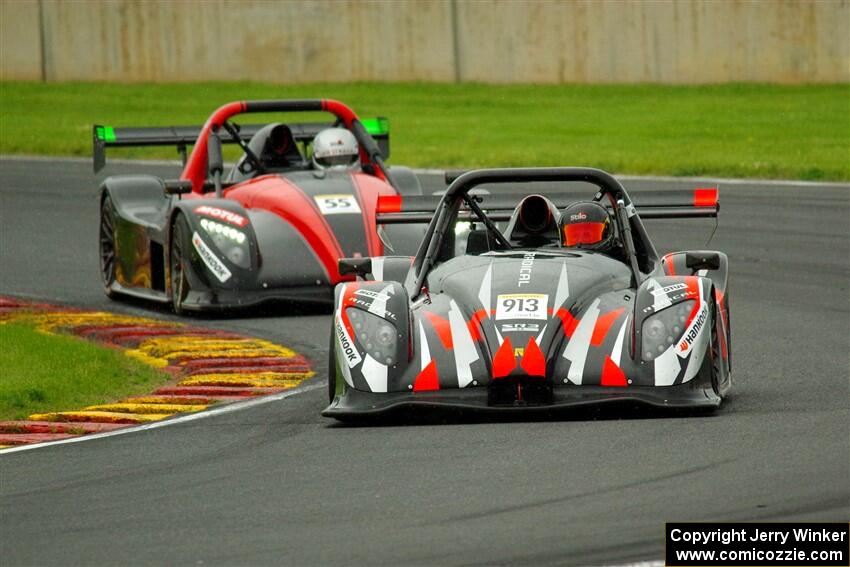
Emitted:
<point x="276" y="483"/>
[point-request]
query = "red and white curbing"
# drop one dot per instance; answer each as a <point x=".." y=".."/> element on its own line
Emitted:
<point x="209" y="367"/>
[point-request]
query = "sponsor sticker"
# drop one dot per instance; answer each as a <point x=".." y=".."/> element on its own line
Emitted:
<point x="692" y="332"/>
<point x="337" y="204"/>
<point x="668" y="289"/>
<point x="222" y="214"/>
<point x="520" y="328"/>
<point x="349" y="352"/>
<point x="218" y="269"/>
<point x="522" y="306"/>
<point x="525" y="268"/>
<point x="372" y="294"/>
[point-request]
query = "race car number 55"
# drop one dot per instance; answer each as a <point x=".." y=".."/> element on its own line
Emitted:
<point x="522" y="306"/>
<point x="337" y="204"/>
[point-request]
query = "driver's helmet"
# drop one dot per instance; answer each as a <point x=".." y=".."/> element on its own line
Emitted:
<point x="335" y="148"/>
<point x="586" y="225"/>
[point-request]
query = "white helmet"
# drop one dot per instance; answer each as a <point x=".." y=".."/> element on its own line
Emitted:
<point x="335" y="148"/>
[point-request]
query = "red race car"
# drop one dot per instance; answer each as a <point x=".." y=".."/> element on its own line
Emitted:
<point x="301" y="196"/>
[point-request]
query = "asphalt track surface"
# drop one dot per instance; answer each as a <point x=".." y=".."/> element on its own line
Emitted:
<point x="278" y="484"/>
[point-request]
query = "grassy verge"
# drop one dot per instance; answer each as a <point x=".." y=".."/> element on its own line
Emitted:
<point x="766" y="131"/>
<point x="43" y="372"/>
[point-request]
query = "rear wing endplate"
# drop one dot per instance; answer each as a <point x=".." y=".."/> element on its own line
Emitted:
<point x="183" y="136"/>
<point x="698" y="203"/>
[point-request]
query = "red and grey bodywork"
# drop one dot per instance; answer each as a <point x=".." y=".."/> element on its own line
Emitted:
<point x="533" y="327"/>
<point x="208" y="241"/>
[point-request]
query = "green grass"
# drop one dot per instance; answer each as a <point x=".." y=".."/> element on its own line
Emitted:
<point x="44" y="372"/>
<point x="763" y="131"/>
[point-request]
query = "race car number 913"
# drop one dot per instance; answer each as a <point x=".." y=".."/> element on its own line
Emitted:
<point x="522" y="306"/>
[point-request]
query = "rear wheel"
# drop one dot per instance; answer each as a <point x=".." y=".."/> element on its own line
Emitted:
<point x="178" y="264"/>
<point x="108" y="252"/>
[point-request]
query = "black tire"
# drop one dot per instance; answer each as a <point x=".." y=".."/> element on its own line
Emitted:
<point x="106" y="245"/>
<point x="715" y="352"/>
<point x="177" y="264"/>
<point x="331" y="370"/>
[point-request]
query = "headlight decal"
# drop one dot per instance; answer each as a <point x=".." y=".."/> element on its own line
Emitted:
<point x="676" y="327"/>
<point x="377" y="336"/>
<point x="232" y="242"/>
<point x="664" y="328"/>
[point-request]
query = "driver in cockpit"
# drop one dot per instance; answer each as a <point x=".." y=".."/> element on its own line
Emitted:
<point x="587" y="225"/>
<point x="335" y="148"/>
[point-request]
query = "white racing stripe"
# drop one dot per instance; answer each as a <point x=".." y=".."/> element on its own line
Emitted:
<point x="464" y="347"/>
<point x="424" y="351"/>
<point x="576" y="351"/>
<point x="375" y="374"/>
<point x="227" y="408"/>
<point x="618" y="344"/>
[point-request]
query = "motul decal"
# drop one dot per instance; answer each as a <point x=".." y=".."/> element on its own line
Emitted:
<point x="352" y="357"/>
<point x="668" y="289"/>
<point x="675" y="298"/>
<point x="525" y="268"/>
<point x="221" y="214"/>
<point x="372" y="294"/>
<point x="218" y="269"/>
<point x="692" y="332"/>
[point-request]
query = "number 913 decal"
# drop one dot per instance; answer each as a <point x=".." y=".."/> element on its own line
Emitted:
<point x="522" y="306"/>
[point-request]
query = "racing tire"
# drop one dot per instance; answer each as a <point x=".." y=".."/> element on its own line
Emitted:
<point x="331" y="370"/>
<point x="715" y="353"/>
<point x="106" y="245"/>
<point x="177" y="264"/>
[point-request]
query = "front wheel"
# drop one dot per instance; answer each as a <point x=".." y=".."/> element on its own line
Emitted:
<point x="178" y="264"/>
<point x="331" y="370"/>
<point x="107" y="248"/>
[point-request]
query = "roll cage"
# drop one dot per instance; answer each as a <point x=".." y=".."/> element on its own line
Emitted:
<point x="218" y="123"/>
<point x="638" y="247"/>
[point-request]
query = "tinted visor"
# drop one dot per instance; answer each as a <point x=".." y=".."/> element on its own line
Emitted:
<point x="583" y="233"/>
<point x="331" y="161"/>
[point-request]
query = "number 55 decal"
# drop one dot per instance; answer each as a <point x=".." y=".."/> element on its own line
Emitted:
<point x="337" y="204"/>
<point x="522" y="306"/>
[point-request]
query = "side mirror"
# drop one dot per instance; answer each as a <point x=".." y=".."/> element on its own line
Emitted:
<point x="356" y="266"/>
<point x="176" y="187"/>
<point x="702" y="260"/>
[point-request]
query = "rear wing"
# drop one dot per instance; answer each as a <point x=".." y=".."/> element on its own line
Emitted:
<point x="182" y="136"/>
<point x="679" y="204"/>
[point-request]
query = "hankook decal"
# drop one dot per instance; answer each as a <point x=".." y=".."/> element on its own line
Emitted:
<point x="218" y="269"/>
